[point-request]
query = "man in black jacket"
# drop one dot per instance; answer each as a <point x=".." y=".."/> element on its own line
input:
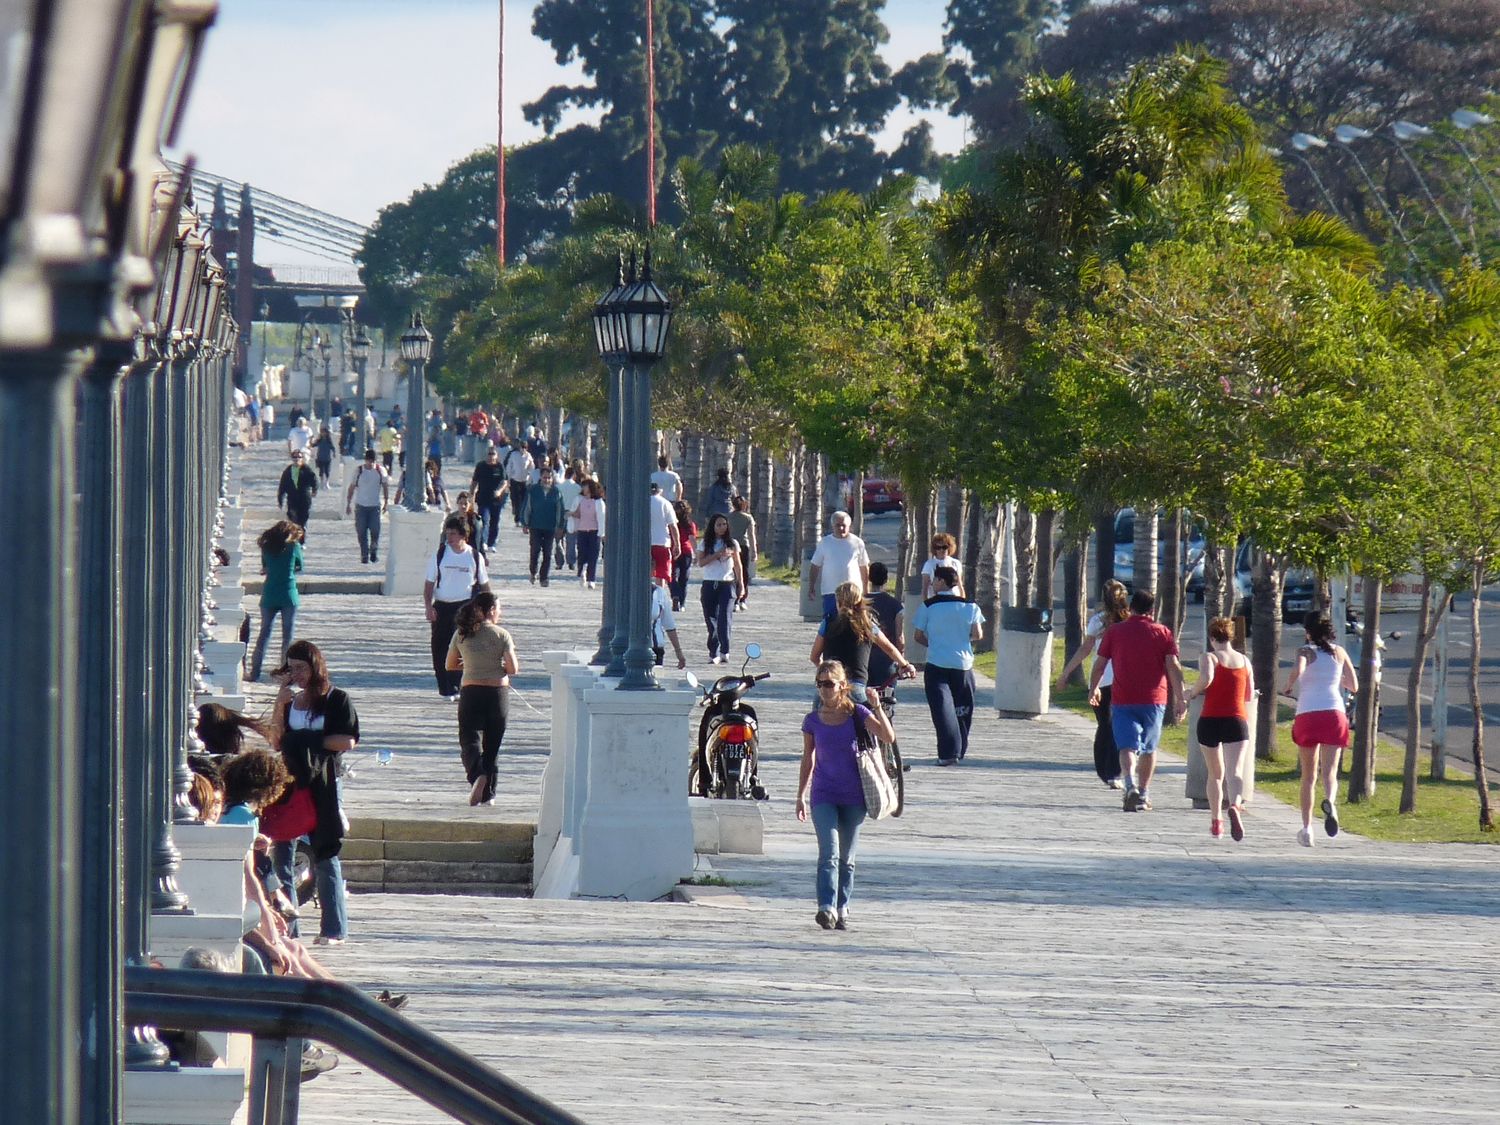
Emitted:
<point x="299" y="485"/>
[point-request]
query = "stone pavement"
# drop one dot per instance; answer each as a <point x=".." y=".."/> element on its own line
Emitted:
<point x="1022" y="950"/>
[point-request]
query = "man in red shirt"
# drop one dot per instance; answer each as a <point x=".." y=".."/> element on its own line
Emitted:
<point x="1144" y="657"/>
<point x="479" y="425"/>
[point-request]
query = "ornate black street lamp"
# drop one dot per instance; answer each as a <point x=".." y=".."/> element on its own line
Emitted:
<point x="416" y="349"/>
<point x="359" y="347"/>
<point x="633" y="333"/>
<point x="612" y="625"/>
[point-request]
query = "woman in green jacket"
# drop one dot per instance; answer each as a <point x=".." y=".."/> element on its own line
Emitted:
<point x="280" y="560"/>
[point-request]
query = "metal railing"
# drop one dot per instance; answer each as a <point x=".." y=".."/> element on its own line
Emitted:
<point x="279" y="1012"/>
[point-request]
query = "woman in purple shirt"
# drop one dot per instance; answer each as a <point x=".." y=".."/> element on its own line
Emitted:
<point x="829" y="746"/>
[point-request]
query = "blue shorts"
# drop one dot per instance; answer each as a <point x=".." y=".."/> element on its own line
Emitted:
<point x="1137" y="726"/>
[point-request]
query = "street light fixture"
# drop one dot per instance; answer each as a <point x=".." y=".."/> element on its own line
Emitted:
<point x="1302" y="143"/>
<point x="1346" y="136"/>
<point x="416" y="349"/>
<point x="1411" y="131"/>
<point x="632" y="326"/>
<point x="1467" y="119"/>
<point x="325" y="353"/>
<point x="359" y="348"/>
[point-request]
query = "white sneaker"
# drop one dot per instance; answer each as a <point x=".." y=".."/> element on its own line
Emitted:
<point x="1304" y="837"/>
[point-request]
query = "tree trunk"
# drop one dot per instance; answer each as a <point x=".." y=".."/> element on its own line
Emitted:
<point x="973" y="523"/>
<point x="1024" y="534"/>
<point x="760" y="497"/>
<point x="783" y="522"/>
<point x="1367" y="702"/>
<point x="1265" y="644"/>
<point x="905" y="541"/>
<point x="1104" y="550"/>
<point x="992" y="537"/>
<point x="953" y="511"/>
<point x="742" y="462"/>
<point x="1173" y="579"/>
<point x="810" y="503"/>
<point x="857" y="504"/>
<point x="831" y="491"/>
<point x="554" y="427"/>
<point x="1218" y="595"/>
<point x="921" y="534"/>
<point x="1143" y="576"/>
<point x="690" y="468"/>
<point x="1476" y="705"/>
<point x="1075" y="597"/>
<point x="1426" y="627"/>
<point x="1046" y="558"/>
<point x="1437" y="763"/>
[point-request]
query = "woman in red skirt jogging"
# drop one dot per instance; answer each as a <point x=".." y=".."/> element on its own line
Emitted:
<point x="1321" y="727"/>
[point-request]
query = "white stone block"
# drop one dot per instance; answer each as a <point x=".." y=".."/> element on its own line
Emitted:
<point x="213" y="865"/>
<point x="410" y="540"/>
<point x="173" y="934"/>
<point x="742" y="827"/>
<point x="562" y="755"/>
<point x="705" y="825"/>
<point x="1023" y="673"/>
<point x="190" y="1096"/>
<point x="635" y="838"/>
<point x="224" y="699"/>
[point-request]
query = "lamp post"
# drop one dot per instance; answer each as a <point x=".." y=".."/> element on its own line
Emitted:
<point x="610" y="617"/>
<point x="359" y="347"/>
<point x="265" y="312"/>
<point x="1346" y="136"/>
<point x="1467" y="119"/>
<point x="1301" y="142"/>
<point x="1410" y="131"/>
<point x="416" y="349"/>
<point x="633" y="333"/>
<point x="325" y="353"/>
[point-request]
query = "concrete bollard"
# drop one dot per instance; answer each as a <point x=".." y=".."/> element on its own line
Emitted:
<point x="1023" y="662"/>
<point x="910" y="601"/>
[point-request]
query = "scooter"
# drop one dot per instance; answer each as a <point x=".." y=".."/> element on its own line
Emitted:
<point x="727" y="760"/>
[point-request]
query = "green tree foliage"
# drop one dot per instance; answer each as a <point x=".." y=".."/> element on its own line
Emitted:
<point x="1304" y="64"/>
<point x="996" y="42"/>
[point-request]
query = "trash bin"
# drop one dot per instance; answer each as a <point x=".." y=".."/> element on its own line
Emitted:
<point x="1023" y="662"/>
<point x="809" y="601"/>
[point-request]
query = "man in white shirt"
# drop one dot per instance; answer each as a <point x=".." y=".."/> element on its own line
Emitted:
<point x="571" y="489"/>
<point x="453" y="573"/>
<point x="299" y="437"/>
<point x="369" y="494"/>
<point x="517" y="464"/>
<point x="665" y="543"/>
<point x="840" y="557"/>
<point x="666" y="480"/>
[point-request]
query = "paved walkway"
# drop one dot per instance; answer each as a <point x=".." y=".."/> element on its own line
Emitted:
<point x="1022" y="951"/>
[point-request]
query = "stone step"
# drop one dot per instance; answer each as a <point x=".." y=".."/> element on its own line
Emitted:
<point x="451" y="851"/>
<point x="435" y="872"/>
<point x="485" y="890"/>
<point x="514" y="833"/>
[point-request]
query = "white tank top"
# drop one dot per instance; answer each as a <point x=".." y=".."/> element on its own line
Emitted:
<point x="1318" y="686"/>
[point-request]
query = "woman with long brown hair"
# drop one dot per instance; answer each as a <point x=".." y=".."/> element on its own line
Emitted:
<point x="849" y="636"/>
<point x="314" y="723"/>
<point x="1114" y="607"/>
<point x="830" y="743"/>
<point x="1227" y="685"/>
<point x="280" y="560"/>
<point x="486" y="655"/>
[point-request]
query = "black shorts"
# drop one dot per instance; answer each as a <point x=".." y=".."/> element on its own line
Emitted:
<point x="1216" y="732"/>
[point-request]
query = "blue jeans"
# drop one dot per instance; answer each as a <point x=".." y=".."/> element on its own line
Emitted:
<point x="288" y="632"/>
<point x="489" y="522"/>
<point x="836" y="824"/>
<point x="950" y="698"/>
<point x="718" y="600"/>
<point x="328" y="875"/>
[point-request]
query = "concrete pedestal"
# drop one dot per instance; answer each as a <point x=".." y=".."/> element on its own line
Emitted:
<point x="910" y="601"/>
<point x="557" y="815"/>
<point x="409" y="542"/>
<point x="1196" y="786"/>
<point x="635" y="840"/>
<point x="227" y="622"/>
<point x="225" y="662"/>
<point x="190" y="1096"/>
<point x="1023" y="668"/>
<point x="810" y="602"/>
<point x="737" y="827"/>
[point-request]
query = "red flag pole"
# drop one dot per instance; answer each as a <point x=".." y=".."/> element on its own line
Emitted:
<point x="500" y="149"/>
<point x="650" y="114"/>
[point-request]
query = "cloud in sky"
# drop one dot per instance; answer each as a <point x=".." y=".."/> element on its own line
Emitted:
<point x="350" y="105"/>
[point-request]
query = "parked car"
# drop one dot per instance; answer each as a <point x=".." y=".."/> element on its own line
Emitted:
<point x="1299" y="588"/>
<point x="1125" y="551"/>
<point x="882" y="495"/>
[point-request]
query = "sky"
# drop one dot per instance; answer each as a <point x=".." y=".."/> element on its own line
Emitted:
<point x="350" y="105"/>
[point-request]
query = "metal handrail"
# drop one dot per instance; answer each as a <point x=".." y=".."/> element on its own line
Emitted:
<point x="283" y="1008"/>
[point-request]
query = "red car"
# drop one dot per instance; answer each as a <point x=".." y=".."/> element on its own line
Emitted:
<point x="882" y="496"/>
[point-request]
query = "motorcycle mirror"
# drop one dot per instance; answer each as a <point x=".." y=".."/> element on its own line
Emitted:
<point x="692" y="680"/>
<point x="752" y="650"/>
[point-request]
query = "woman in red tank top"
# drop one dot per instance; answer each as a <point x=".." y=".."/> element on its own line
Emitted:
<point x="1227" y="685"/>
